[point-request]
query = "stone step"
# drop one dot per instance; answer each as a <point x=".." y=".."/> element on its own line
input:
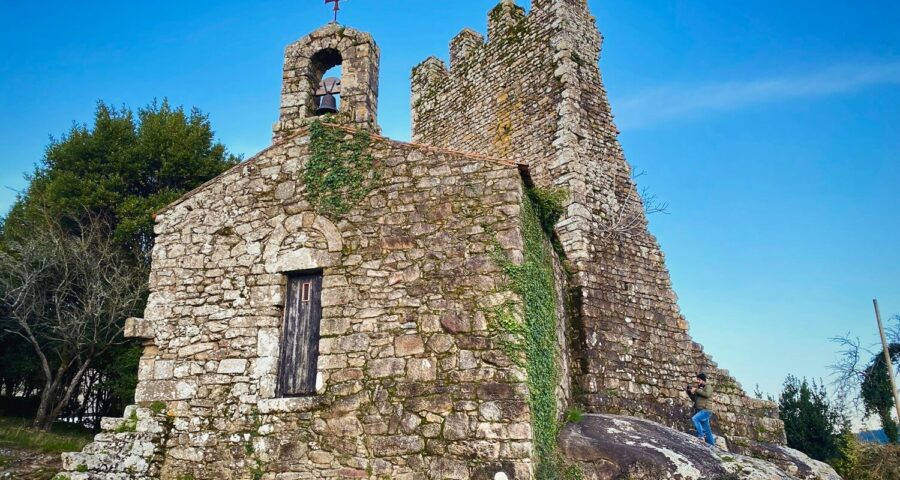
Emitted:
<point x="135" y="419"/>
<point x="122" y="461"/>
<point x="123" y="450"/>
<point x="104" y="476"/>
<point x="111" y="424"/>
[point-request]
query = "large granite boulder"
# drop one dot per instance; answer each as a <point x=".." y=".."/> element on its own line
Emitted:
<point x="612" y="447"/>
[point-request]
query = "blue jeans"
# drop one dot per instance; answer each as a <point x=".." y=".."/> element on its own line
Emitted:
<point x="701" y="423"/>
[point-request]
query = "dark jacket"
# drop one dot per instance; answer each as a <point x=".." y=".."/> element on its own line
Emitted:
<point x="702" y="397"/>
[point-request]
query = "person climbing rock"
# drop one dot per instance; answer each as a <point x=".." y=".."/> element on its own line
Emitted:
<point x="701" y="394"/>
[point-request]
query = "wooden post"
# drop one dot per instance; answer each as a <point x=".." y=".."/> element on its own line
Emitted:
<point x="887" y="359"/>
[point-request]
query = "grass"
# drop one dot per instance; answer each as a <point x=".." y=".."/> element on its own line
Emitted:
<point x="573" y="415"/>
<point x="62" y="437"/>
<point x="130" y="423"/>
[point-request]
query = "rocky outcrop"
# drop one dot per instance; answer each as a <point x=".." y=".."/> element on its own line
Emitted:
<point x="789" y="460"/>
<point x="612" y="447"/>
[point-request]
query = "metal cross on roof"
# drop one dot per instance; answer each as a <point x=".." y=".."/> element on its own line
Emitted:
<point x="337" y="6"/>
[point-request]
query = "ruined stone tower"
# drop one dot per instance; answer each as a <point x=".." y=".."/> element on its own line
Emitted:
<point x="343" y="305"/>
<point x="533" y="93"/>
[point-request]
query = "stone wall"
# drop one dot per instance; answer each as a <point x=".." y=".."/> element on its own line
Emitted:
<point x="533" y="93"/>
<point x="412" y="382"/>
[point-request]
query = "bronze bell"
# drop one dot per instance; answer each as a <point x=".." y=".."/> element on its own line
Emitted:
<point x="327" y="104"/>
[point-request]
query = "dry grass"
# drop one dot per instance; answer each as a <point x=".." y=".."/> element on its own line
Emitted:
<point x="17" y="433"/>
<point x="869" y="461"/>
<point x="881" y="462"/>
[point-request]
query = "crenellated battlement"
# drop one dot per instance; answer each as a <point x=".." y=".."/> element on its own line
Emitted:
<point x="463" y="44"/>
<point x="505" y="19"/>
<point x="483" y="89"/>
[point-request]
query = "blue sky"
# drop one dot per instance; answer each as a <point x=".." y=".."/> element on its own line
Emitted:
<point x="771" y="128"/>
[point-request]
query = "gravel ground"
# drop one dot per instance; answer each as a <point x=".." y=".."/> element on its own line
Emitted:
<point x="27" y="464"/>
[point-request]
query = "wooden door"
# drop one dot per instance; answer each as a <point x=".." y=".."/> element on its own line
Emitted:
<point x="300" y="335"/>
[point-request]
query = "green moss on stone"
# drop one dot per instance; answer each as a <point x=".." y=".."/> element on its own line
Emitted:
<point x="574" y="415"/>
<point x="534" y="345"/>
<point x="257" y="467"/>
<point x="129" y="425"/>
<point x="340" y="171"/>
<point x="157" y="407"/>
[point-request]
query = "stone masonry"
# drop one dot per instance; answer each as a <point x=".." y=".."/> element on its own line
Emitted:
<point x="532" y="93"/>
<point x="413" y="380"/>
<point x="305" y="62"/>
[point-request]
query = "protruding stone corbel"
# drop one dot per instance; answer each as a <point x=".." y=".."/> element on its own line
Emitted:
<point x="139" y="328"/>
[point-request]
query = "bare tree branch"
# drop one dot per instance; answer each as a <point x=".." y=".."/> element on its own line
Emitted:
<point x="893" y="329"/>
<point x="628" y="214"/>
<point x="68" y="288"/>
<point x="848" y="371"/>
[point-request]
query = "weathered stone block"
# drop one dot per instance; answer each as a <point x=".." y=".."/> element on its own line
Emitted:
<point x="397" y="445"/>
<point x="456" y="426"/>
<point x="232" y="366"/>
<point x="139" y="328"/>
<point x="421" y="369"/>
<point x="386" y="367"/>
<point x="407" y="345"/>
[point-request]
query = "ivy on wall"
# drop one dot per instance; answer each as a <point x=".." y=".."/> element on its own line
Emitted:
<point x="533" y="343"/>
<point x="340" y="171"/>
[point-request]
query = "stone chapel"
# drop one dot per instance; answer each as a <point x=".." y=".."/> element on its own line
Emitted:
<point x="344" y="305"/>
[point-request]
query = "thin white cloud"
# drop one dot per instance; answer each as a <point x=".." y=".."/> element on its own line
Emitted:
<point x="673" y="102"/>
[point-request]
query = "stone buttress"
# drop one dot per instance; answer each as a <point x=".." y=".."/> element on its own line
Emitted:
<point x="532" y="92"/>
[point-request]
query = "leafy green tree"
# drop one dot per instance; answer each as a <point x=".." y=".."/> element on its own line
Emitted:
<point x="125" y="167"/>
<point x="876" y="392"/>
<point x="116" y="172"/>
<point x="866" y="382"/>
<point x="811" y="423"/>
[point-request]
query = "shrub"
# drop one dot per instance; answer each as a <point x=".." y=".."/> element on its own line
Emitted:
<point x="867" y="461"/>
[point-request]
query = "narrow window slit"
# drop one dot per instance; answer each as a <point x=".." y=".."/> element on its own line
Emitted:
<point x="305" y="291"/>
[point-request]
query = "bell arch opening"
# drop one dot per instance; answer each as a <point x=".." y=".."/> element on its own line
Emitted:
<point x="325" y="82"/>
<point x="330" y="52"/>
